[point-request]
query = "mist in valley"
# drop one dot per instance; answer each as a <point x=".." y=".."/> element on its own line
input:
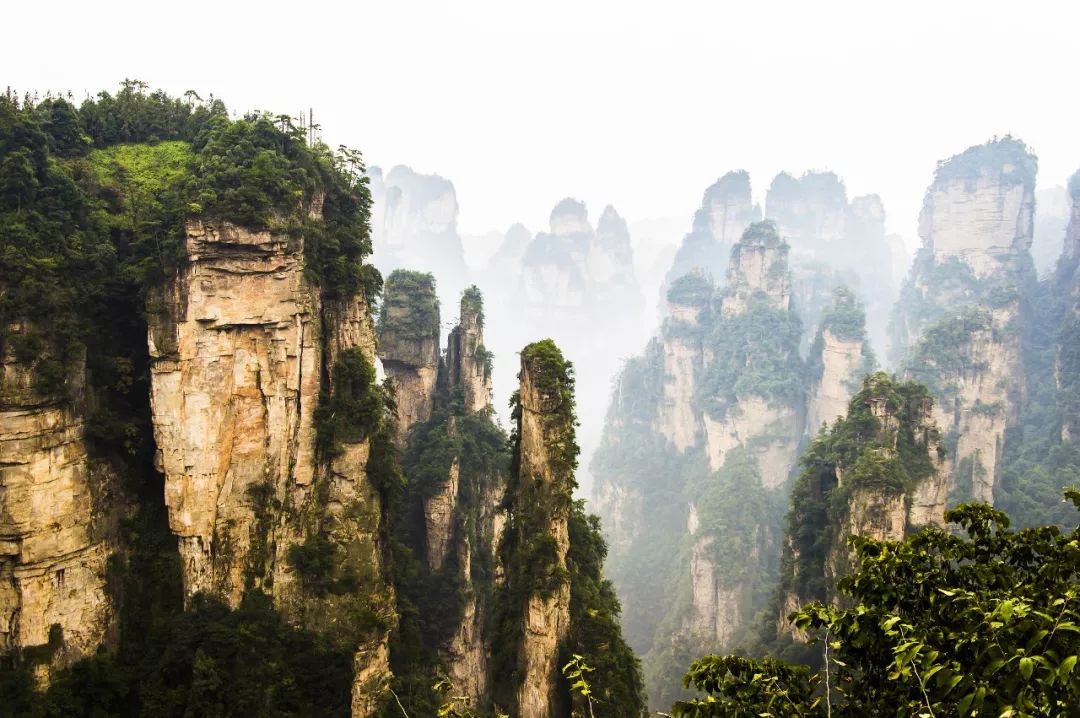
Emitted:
<point x="479" y="360"/>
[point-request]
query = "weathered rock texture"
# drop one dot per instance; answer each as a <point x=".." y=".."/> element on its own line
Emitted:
<point x="59" y="510"/>
<point x="468" y="363"/>
<point x="750" y="436"/>
<point x="758" y="271"/>
<point x="727" y="209"/>
<point x="409" y="345"/>
<point x="236" y="356"/>
<point x="879" y="472"/>
<point x="240" y="344"/>
<point x="832" y="236"/>
<point x="576" y="284"/>
<point x="414" y="226"/>
<point x="544" y="486"/>
<point x="840" y="357"/>
<point x="711" y="418"/>
<point x="960" y="315"/>
<point x="758" y="276"/>
<point x="679" y="420"/>
<point x="455" y="462"/>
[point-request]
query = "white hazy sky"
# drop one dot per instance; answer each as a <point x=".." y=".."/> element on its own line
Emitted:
<point x="638" y="104"/>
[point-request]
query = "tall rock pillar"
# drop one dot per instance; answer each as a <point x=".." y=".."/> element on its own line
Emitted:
<point x="544" y="461"/>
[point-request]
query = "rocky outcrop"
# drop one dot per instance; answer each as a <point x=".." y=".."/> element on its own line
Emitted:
<point x="240" y="343"/>
<point x="842" y="360"/>
<point x="468" y="362"/>
<point x="773" y="430"/>
<point x="829" y="234"/>
<point x="751" y="433"/>
<point x="710" y="417"/>
<point x="879" y="472"/>
<point x="679" y="418"/>
<point x="960" y="317"/>
<point x="455" y="464"/>
<point x="235" y="368"/>
<point x="840" y="357"/>
<point x="757" y="277"/>
<point x="758" y="270"/>
<point x="59" y="513"/>
<point x="1067" y="286"/>
<point x="545" y="454"/>
<point x="409" y="345"/>
<point x="715" y="619"/>
<point x="727" y="209"/>
<point x="414" y="226"/>
<point x="981" y="215"/>
<point x="349" y="508"/>
<point x="979" y="385"/>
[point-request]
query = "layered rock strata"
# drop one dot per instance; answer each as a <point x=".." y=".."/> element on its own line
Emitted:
<point x="242" y="349"/>
<point x="409" y="345"/>
<point x="545" y="482"/>
<point x="960" y="318"/>
<point x="59" y="512"/>
<point x="889" y="481"/>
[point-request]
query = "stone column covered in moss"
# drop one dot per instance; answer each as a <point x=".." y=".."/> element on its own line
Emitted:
<point x="1067" y="364"/>
<point x="879" y="472"/>
<point x="839" y="358"/>
<point x="540" y="496"/>
<point x="468" y="362"/>
<point x="959" y="322"/>
<point x="409" y="345"/>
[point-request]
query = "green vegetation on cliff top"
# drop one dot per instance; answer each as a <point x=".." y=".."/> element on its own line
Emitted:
<point x="1008" y="158"/>
<point x="410" y="306"/>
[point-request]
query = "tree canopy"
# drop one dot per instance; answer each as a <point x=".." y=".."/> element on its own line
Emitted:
<point x="984" y="621"/>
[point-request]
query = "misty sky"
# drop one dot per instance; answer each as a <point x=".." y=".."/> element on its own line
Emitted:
<point x="638" y="104"/>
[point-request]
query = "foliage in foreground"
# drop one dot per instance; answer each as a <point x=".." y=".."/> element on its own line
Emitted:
<point x="940" y="624"/>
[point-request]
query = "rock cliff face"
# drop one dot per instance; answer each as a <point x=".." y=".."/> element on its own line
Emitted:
<point x="236" y="356"/>
<point x="545" y="454"/>
<point x="455" y="464"/>
<point x="59" y="510"/>
<point x="839" y="358"/>
<point x="727" y="209"/>
<point x="414" y="226"/>
<point x="679" y="421"/>
<point x="469" y="369"/>
<point x="830" y="235"/>
<point x="577" y="285"/>
<point x="758" y="282"/>
<point x="240" y="342"/>
<point x="709" y="420"/>
<point x="960" y="318"/>
<point x="468" y="362"/>
<point x="409" y="345"/>
<point x="1067" y="283"/>
<point x="878" y="472"/>
<point x="751" y="437"/>
<point x="758" y="271"/>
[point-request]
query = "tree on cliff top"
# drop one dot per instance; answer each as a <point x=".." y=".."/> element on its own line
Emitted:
<point x="941" y="624"/>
